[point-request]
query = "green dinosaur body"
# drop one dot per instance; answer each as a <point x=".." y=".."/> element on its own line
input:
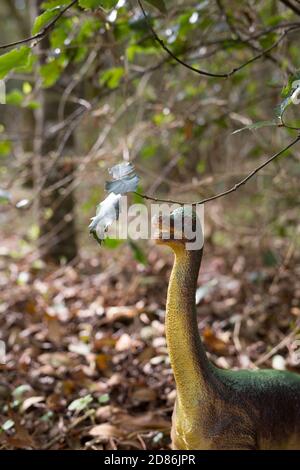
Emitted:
<point x="218" y="409"/>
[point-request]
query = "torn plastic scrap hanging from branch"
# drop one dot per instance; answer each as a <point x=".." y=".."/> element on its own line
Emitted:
<point x="124" y="180"/>
<point x="106" y="214"/>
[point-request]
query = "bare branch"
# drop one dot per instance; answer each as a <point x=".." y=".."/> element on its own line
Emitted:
<point x="234" y="188"/>
<point x="290" y="5"/>
<point x="45" y="31"/>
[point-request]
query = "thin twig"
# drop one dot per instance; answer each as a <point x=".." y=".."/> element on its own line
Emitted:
<point x="290" y="5"/>
<point x="246" y="41"/>
<point x="205" y="72"/>
<point x="73" y="425"/>
<point x="231" y="190"/>
<point x="283" y="343"/>
<point x="42" y="33"/>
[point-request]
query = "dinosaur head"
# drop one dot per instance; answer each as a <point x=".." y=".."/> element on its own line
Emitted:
<point x="179" y="229"/>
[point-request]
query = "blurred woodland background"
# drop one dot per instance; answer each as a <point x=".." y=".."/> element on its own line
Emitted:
<point x="87" y="364"/>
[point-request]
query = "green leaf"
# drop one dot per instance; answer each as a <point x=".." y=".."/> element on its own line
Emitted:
<point x="149" y="151"/>
<point x="257" y="125"/>
<point x="201" y="166"/>
<point x="138" y="253"/>
<point x="81" y="403"/>
<point x="28" y="68"/>
<point x="159" y="4"/>
<point x="50" y="73"/>
<point x="54" y="3"/>
<point x="15" y="98"/>
<point x="27" y="88"/>
<point x="5" y="148"/>
<point x="103" y="399"/>
<point x="270" y="258"/>
<point x="45" y="18"/>
<point x="93" y="4"/>
<point x="290" y="85"/>
<point x="136" y="198"/>
<point x="14" y="59"/>
<point x="108" y="4"/>
<point x="112" y="243"/>
<point x="112" y="77"/>
<point x="33" y="105"/>
<point x="135" y="49"/>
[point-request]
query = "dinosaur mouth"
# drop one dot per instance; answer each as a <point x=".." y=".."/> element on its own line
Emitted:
<point x="163" y="229"/>
<point x="178" y="226"/>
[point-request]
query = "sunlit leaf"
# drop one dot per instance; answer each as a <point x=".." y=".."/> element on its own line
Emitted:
<point x="92" y="4"/>
<point x="112" y="77"/>
<point x="14" y="98"/>
<point x="27" y="88"/>
<point x="54" y="3"/>
<point x="5" y="148"/>
<point x="45" y="18"/>
<point x="112" y="243"/>
<point x="13" y="60"/>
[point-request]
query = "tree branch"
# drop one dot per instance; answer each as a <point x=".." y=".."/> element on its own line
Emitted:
<point x="290" y="5"/>
<point x="231" y="190"/>
<point x="45" y="31"/>
<point x="205" y="72"/>
<point x="247" y="40"/>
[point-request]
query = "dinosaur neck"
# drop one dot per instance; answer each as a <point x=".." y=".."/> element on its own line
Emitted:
<point x="192" y="370"/>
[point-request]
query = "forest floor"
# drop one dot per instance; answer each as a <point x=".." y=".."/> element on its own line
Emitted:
<point x="87" y="364"/>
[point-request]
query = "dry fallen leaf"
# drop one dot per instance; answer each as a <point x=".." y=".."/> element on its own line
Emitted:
<point x="116" y="313"/>
<point x="56" y="359"/>
<point x="143" y="395"/>
<point x="21" y="438"/>
<point x="31" y="402"/>
<point x="132" y="423"/>
<point x="124" y="343"/>
<point x="55" y="329"/>
<point x="106" y="431"/>
<point x="102" y="361"/>
<point x="216" y="344"/>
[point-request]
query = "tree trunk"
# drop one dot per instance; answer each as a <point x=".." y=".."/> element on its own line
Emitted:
<point x="56" y="203"/>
